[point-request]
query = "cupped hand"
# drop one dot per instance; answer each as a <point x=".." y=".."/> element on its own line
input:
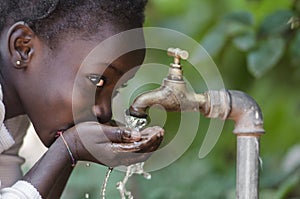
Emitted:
<point x="112" y="146"/>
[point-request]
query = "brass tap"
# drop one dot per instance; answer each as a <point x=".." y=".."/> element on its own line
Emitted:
<point x="235" y="105"/>
<point x="173" y="94"/>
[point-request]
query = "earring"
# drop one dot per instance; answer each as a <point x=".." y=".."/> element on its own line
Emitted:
<point x="18" y="63"/>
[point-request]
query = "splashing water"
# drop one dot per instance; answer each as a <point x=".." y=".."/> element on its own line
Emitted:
<point x="132" y="169"/>
<point x="134" y="123"/>
<point x="104" y="185"/>
<point x="138" y="168"/>
<point x="137" y="124"/>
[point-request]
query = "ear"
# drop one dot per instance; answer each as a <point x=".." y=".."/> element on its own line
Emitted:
<point x="20" y="44"/>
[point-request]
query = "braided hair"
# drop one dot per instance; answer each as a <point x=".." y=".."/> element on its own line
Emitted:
<point x="49" y="18"/>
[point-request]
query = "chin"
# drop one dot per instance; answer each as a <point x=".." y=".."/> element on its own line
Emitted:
<point x="48" y="143"/>
<point x="47" y="138"/>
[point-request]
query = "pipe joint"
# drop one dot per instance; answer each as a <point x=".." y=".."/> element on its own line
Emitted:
<point x="246" y="114"/>
<point x="237" y="106"/>
<point x="217" y="104"/>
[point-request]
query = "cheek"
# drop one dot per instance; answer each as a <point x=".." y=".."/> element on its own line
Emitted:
<point x="102" y="105"/>
<point x="57" y="110"/>
<point x="83" y="99"/>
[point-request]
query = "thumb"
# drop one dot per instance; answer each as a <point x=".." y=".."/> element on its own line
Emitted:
<point x="120" y="134"/>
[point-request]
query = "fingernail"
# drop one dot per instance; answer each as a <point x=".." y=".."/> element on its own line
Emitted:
<point x="127" y="133"/>
<point x="135" y="134"/>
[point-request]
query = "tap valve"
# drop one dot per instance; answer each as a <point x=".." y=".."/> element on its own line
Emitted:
<point x="175" y="71"/>
<point x="178" y="54"/>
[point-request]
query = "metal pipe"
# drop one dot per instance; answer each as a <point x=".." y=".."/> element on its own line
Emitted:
<point x="248" y="128"/>
<point x="247" y="171"/>
<point x="245" y="112"/>
<point x="223" y="104"/>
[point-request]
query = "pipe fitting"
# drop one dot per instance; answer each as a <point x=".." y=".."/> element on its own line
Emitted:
<point x="218" y="104"/>
<point x="237" y="106"/>
<point x="246" y="113"/>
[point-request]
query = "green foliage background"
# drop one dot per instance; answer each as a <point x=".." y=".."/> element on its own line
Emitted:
<point x="257" y="51"/>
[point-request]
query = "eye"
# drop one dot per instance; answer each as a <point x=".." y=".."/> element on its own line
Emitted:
<point x="97" y="80"/>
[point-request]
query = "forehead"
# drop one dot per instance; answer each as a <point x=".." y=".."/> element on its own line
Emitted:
<point x="107" y="46"/>
<point x="123" y="48"/>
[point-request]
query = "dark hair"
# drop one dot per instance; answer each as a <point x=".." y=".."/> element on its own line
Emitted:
<point x="49" y="18"/>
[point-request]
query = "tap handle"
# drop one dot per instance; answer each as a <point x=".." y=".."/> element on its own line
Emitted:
<point x="178" y="54"/>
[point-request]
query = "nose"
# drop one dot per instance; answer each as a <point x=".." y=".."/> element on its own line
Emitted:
<point x="102" y="108"/>
<point x="103" y="114"/>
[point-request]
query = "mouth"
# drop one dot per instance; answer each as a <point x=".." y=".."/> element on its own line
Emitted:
<point x="114" y="123"/>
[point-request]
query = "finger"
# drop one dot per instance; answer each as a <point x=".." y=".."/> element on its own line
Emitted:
<point x="120" y="134"/>
<point x="130" y="153"/>
<point x="150" y="141"/>
<point x="102" y="133"/>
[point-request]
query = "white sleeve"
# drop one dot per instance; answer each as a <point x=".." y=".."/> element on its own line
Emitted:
<point x="20" y="190"/>
<point x="6" y="140"/>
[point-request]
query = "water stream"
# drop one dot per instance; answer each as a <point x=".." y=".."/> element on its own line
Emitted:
<point x="136" y="124"/>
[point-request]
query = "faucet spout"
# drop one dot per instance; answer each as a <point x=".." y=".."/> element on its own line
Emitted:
<point x="144" y="101"/>
<point x="173" y="96"/>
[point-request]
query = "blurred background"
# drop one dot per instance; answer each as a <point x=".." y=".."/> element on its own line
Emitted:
<point x="256" y="46"/>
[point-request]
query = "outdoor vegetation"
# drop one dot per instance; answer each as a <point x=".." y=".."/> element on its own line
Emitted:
<point x="256" y="46"/>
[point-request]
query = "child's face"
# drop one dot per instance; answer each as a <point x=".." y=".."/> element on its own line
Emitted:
<point x="60" y="88"/>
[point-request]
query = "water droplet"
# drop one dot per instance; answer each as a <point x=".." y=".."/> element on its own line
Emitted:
<point x="86" y="195"/>
<point x="87" y="164"/>
<point x="147" y="176"/>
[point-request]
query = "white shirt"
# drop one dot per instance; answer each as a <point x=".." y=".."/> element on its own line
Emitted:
<point x="10" y="172"/>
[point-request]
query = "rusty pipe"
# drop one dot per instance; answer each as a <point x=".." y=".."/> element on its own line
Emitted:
<point x="237" y="106"/>
<point x="245" y="112"/>
<point x="223" y="104"/>
<point x="173" y="96"/>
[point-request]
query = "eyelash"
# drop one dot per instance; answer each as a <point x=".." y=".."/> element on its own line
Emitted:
<point x="97" y="80"/>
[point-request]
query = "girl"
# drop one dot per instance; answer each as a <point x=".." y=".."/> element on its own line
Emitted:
<point x="43" y="43"/>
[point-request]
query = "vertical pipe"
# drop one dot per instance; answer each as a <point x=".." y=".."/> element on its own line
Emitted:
<point x="247" y="179"/>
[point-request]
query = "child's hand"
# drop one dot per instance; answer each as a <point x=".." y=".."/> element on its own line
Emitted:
<point x="112" y="146"/>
